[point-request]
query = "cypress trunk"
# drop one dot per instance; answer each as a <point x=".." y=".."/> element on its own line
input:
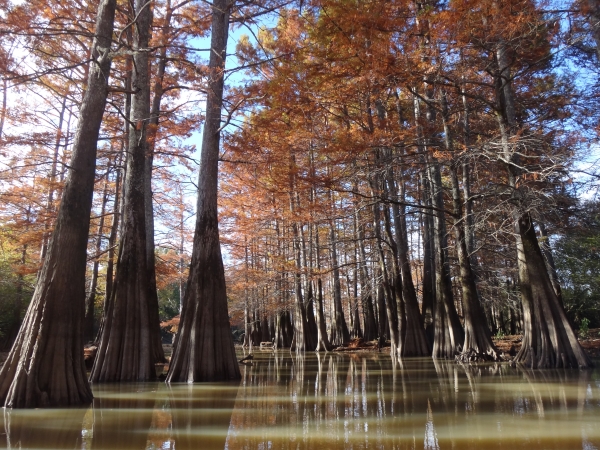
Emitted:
<point x="302" y="336"/>
<point x="478" y="343"/>
<point x="370" y="324"/>
<point x="114" y="231"/>
<point x="478" y="338"/>
<point x="204" y="350"/>
<point x="383" y="326"/>
<point x="547" y="252"/>
<point x="88" y="333"/>
<point x="310" y="298"/>
<point x="131" y="325"/>
<point x="448" y="331"/>
<point x="339" y="329"/>
<point x="284" y="331"/>
<point x="548" y="339"/>
<point x="395" y="284"/>
<point x="386" y="297"/>
<point x="323" y="343"/>
<point x="45" y="366"/>
<point x="158" y="354"/>
<point x="412" y="339"/>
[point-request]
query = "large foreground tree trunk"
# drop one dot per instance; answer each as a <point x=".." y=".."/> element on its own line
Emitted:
<point x="548" y="339"/>
<point x="204" y="349"/>
<point x="125" y="350"/>
<point x="45" y="366"/>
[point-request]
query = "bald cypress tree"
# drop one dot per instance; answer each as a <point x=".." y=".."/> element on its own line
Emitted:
<point x="45" y="366"/>
<point x="204" y="347"/>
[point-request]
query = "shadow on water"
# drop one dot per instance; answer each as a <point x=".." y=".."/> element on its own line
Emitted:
<point x="332" y="400"/>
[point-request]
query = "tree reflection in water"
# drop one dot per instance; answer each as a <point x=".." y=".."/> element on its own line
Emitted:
<point x="369" y="401"/>
<point x="201" y="414"/>
<point x="122" y="415"/>
<point x="43" y="428"/>
<point x="333" y="400"/>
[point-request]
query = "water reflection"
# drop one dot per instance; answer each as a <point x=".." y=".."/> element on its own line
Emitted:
<point x="122" y="415"/>
<point x="201" y="415"/>
<point x="317" y="401"/>
<point x="43" y="429"/>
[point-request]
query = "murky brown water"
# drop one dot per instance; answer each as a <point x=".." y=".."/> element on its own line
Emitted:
<point x="331" y="401"/>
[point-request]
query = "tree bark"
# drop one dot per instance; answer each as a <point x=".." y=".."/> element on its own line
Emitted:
<point x="204" y="350"/>
<point x="247" y="324"/>
<point x="114" y="231"/>
<point x="478" y="343"/>
<point x="112" y="239"/>
<point x="548" y="339"/>
<point x="394" y="286"/>
<point x="45" y="366"/>
<point x="130" y="328"/>
<point x="88" y="333"/>
<point x="310" y="297"/>
<point x="158" y="354"/>
<point x="383" y="325"/>
<point x="356" y="331"/>
<point x="370" y="324"/>
<point x="388" y="309"/>
<point x="303" y="336"/>
<point x="429" y="293"/>
<point x="478" y="338"/>
<point x="339" y="329"/>
<point x="549" y="258"/>
<point x="323" y="343"/>
<point x="283" y="330"/>
<point x="448" y="332"/>
<point x="412" y="339"/>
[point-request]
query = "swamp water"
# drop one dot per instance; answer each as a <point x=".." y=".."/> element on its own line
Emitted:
<point x="323" y="401"/>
